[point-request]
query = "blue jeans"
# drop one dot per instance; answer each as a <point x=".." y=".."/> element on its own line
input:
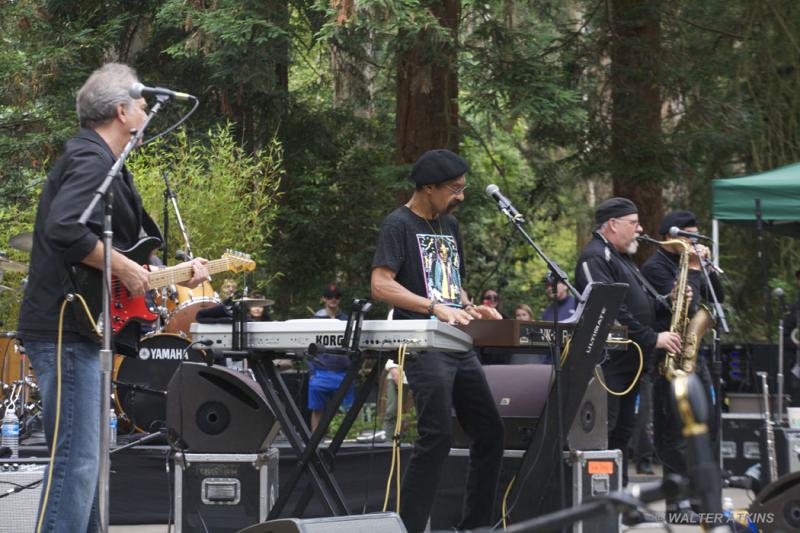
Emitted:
<point x="72" y="500"/>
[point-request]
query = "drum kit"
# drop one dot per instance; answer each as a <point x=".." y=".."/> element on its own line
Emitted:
<point x="18" y="388"/>
<point x="140" y="383"/>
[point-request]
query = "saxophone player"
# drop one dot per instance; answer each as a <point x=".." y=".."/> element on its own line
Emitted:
<point x="662" y="270"/>
<point x="607" y="258"/>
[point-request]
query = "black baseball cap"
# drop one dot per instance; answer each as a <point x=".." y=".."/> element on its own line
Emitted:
<point x="332" y="291"/>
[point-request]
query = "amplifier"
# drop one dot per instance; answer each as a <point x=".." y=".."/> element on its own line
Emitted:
<point x="18" y="510"/>
<point x="787" y="450"/>
<point x="224" y="492"/>
<point x="741" y="441"/>
<point x="589" y="474"/>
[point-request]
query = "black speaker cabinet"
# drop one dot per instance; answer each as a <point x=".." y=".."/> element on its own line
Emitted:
<point x="368" y="523"/>
<point x="217" y="410"/>
<point x="520" y="393"/>
<point x="776" y="509"/>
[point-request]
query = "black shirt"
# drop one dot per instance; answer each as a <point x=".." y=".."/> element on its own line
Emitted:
<point x="59" y="240"/>
<point x="601" y="262"/>
<point x="661" y="270"/>
<point x="424" y="254"/>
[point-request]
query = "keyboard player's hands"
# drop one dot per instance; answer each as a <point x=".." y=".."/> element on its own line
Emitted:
<point x="484" y="312"/>
<point x="451" y="315"/>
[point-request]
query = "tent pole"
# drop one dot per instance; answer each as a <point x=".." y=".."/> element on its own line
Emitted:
<point x="715" y="242"/>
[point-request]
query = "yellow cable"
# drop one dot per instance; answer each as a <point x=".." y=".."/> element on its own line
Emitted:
<point x="635" y="379"/>
<point x="58" y="417"/>
<point x="58" y="402"/>
<point x="505" y="500"/>
<point x="401" y="359"/>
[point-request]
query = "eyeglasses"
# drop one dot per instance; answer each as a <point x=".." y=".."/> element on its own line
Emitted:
<point x="333" y="297"/>
<point x="632" y="222"/>
<point x="492" y="297"/>
<point x="456" y="190"/>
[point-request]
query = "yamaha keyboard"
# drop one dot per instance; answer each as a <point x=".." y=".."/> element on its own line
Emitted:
<point x="297" y="335"/>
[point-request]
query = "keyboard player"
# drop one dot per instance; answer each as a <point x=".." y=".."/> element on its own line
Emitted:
<point x="419" y="269"/>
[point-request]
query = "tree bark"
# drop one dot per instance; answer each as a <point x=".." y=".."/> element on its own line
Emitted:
<point x="639" y="162"/>
<point x="427" y="90"/>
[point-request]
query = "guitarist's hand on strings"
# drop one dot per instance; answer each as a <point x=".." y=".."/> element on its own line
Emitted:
<point x="199" y="272"/>
<point x="134" y="276"/>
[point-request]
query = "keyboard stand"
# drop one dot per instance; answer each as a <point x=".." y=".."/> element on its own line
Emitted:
<point x="305" y="443"/>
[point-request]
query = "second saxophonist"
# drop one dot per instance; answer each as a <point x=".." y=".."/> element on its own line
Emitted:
<point x="661" y="270"/>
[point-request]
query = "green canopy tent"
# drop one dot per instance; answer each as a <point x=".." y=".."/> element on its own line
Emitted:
<point x="778" y="190"/>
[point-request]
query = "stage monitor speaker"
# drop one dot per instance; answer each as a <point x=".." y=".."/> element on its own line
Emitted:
<point x="368" y="523"/>
<point x="520" y="393"/>
<point x="217" y="410"/>
<point x="776" y="509"/>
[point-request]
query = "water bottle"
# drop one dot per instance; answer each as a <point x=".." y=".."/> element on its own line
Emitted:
<point x="727" y="508"/>
<point x="112" y="428"/>
<point x="11" y="431"/>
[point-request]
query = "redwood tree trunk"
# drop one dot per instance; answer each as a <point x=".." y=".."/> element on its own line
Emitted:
<point x="639" y="162"/>
<point x="427" y="90"/>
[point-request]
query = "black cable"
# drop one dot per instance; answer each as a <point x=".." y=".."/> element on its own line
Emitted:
<point x="169" y="493"/>
<point x="171" y="128"/>
<point x="18" y="487"/>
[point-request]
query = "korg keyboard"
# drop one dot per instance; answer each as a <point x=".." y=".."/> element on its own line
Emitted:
<point x="297" y="335"/>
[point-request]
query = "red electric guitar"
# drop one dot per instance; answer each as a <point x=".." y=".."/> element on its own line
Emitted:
<point x="125" y="308"/>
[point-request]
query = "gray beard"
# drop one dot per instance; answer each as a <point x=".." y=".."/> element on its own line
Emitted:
<point x="633" y="247"/>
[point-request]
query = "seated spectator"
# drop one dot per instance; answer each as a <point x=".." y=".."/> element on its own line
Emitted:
<point x="523" y="312"/>
<point x="327" y="371"/>
<point x="565" y="302"/>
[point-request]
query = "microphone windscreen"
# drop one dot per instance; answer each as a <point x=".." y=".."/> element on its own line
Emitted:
<point x="136" y="90"/>
<point x="491" y="189"/>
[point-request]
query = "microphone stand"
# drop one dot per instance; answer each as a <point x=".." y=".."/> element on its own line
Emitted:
<point x="106" y="353"/>
<point x="169" y="194"/>
<point x="716" y="348"/>
<point x="558" y="276"/>
<point x="779" y="380"/>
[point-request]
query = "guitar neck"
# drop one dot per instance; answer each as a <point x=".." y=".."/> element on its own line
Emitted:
<point x="180" y="273"/>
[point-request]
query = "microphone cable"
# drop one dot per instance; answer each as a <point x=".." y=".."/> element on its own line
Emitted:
<point x="183" y="119"/>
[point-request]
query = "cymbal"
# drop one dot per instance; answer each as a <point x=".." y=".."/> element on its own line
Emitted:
<point x="22" y="242"/>
<point x="12" y="266"/>
<point x="254" y="302"/>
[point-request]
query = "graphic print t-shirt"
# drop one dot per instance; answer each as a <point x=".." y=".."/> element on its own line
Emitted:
<point x="426" y="260"/>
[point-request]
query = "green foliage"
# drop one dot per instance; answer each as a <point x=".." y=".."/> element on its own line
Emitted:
<point x="227" y="197"/>
<point x="535" y="116"/>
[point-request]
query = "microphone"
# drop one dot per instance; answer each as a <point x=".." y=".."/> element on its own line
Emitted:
<point x="504" y="203"/>
<point x="675" y="231"/>
<point x="779" y="292"/>
<point x="139" y="90"/>
<point x="690" y="402"/>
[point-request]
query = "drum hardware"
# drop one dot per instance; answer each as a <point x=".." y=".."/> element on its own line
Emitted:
<point x="22" y="242"/>
<point x="254" y="302"/>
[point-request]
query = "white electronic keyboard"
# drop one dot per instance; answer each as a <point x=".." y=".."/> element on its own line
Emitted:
<point x="297" y="335"/>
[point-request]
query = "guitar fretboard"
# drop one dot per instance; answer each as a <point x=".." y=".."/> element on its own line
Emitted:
<point x="180" y="273"/>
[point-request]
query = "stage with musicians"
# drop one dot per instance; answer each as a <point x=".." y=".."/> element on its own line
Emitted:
<point x="210" y="427"/>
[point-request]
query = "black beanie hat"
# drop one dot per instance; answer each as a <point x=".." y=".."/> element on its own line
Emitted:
<point x="679" y="219"/>
<point x="614" y="208"/>
<point x="437" y="166"/>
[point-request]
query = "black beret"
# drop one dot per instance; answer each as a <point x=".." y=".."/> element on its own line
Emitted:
<point x="437" y="166"/>
<point x="679" y="219"/>
<point x="614" y="208"/>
